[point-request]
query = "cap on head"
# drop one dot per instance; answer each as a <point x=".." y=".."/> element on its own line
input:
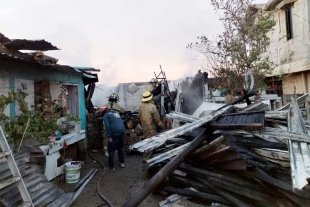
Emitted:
<point x="154" y="80"/>
<point x="147" y="96"/>
<point x="113" y="97"/>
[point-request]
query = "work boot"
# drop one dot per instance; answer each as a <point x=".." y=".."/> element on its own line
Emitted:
<point x="111" y="170"/>
<point x="122" y="165"/>
<point x="106" y="154"/>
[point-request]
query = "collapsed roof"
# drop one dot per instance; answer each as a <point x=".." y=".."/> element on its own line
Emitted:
<point x="9" y="51"/>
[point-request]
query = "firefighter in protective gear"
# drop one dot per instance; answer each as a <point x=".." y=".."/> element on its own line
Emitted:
<point x="149" y="119"/>
<point x="112" y="104"/>
<point x="153" y="85"/>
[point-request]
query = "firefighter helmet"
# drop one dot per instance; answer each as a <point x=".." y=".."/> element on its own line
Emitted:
<point x="154" y="80"/>
<point x="113" y="97"/>
<point x="147" y="96"/>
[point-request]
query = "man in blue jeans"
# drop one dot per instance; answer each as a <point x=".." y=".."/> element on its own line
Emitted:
<point x="115" y="130"/>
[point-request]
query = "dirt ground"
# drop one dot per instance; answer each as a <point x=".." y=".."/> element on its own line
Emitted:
<point x="118" y="186"/>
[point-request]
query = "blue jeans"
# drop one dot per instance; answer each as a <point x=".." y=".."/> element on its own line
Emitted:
<point x="117" y="144"/>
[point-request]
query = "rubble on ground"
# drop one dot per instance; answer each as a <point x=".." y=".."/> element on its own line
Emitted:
<point x="251" y="157"/>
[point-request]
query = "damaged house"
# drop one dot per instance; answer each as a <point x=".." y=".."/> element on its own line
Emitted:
<point x="48" y="84"/>
<point x="288" y="47"/>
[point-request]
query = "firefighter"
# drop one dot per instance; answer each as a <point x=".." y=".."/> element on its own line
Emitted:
<point x="115" y="130"/>
<point x="153" y="84"/>
<point x="149" y="119"/>
<point x="112" y="104"/>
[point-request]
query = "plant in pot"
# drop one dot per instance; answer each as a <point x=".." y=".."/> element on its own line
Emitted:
<point x="74" y="124"/>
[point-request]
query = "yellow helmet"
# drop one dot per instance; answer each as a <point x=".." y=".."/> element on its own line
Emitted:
<point x="147" y="96"/>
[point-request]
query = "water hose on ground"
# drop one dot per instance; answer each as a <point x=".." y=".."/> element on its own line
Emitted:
<point x="103" y="173"/>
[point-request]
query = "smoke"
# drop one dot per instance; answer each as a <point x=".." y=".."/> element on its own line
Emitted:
<point x="101" y="94"/>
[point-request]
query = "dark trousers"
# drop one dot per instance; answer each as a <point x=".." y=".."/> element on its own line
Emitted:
<point x="117" y="144"/>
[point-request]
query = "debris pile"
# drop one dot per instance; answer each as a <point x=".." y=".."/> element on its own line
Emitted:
<point x="249" y="157"/>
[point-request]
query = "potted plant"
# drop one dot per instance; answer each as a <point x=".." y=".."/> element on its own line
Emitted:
<point x="74" y="124"/>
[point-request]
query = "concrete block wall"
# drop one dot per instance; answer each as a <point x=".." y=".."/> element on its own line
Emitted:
<point x="280" y="48"/>
<point x="131" y="102"/>
<point x="294" y="80"/>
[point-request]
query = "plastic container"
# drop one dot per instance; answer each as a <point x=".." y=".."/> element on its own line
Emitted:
<point x="74" y="127"/>
<point x="72" y="170"/>
<point x="51" y="139"/>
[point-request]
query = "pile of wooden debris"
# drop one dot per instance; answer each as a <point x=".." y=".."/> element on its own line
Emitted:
<point x="249" y="157"/>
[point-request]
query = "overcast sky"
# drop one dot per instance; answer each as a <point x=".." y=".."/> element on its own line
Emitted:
<point x="126" y="39"/>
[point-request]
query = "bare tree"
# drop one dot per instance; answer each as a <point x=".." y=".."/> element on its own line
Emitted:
<point x="241" y="46"/>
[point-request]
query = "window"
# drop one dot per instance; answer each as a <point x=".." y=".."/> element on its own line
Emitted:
<point x="289" y="22"/>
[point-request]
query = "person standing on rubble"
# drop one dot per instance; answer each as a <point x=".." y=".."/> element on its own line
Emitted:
<point x="155" y="89"/>
<point x="115" y="131"/>
<point x="112" y="104"/>
<point x="149" y="118"/>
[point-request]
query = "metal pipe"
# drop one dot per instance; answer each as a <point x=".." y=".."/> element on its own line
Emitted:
<point x="161" y="175"/>
<point x="162" y="99"/>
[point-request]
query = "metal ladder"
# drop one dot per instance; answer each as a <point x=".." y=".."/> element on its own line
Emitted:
<point x="7" y="156"/>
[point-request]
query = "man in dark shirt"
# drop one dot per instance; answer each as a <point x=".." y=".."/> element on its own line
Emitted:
<point x="115" y="130"/>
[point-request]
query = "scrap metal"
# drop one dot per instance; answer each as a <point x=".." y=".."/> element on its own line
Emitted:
<point x="299" y="150"/>
<point x="160" y="139"/>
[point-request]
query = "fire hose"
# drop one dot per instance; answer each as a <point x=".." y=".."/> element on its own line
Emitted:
<point x="107" y="202"/>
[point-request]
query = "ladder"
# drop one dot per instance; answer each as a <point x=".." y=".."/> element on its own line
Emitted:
<point x="161" y="77"/>
<point x="7" y="156"/>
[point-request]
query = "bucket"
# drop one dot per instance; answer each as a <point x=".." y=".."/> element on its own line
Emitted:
<point x="72" y="170"/>
<point x="74" y="127"/>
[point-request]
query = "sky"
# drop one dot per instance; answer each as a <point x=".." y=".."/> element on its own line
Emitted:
<point x="126" y="39"/>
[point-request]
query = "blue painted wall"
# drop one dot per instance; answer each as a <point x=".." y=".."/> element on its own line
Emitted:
<point x="14" y="70"/>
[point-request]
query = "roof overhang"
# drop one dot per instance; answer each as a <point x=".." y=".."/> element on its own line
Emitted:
<point x="22" y="44"/>
<point x="86" y="76"/>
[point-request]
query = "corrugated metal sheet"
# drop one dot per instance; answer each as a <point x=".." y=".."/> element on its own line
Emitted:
<point x="160" y="139"/>
<point x="31" y="161"/>
<point x="299" y="151"/>
<point x="22" y="44"/>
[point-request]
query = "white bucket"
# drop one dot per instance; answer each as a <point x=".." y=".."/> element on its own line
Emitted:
<point x="72" y="170"/>
<point x="74" y="127"/>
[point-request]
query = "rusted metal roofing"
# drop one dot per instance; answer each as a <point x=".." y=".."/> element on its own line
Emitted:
<point x="63" y="68"/>
<point x="23" y="44"/>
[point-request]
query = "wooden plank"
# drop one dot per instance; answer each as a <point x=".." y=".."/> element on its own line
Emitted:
<point x="188" y="182"/>
<point x="227" y="196"/>
<point x="272" y="153"/>
<point x="233" y="165"/>
<point x="280" y="184"/>
<point x="202" y="173"/>
<point x="195" y="194"/>
<point x="243" y="191"/>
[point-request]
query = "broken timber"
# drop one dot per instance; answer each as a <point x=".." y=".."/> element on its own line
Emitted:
<point x="160" y="139"/>
<point x="300" y="100"/>
<point x="166" y="171"/>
